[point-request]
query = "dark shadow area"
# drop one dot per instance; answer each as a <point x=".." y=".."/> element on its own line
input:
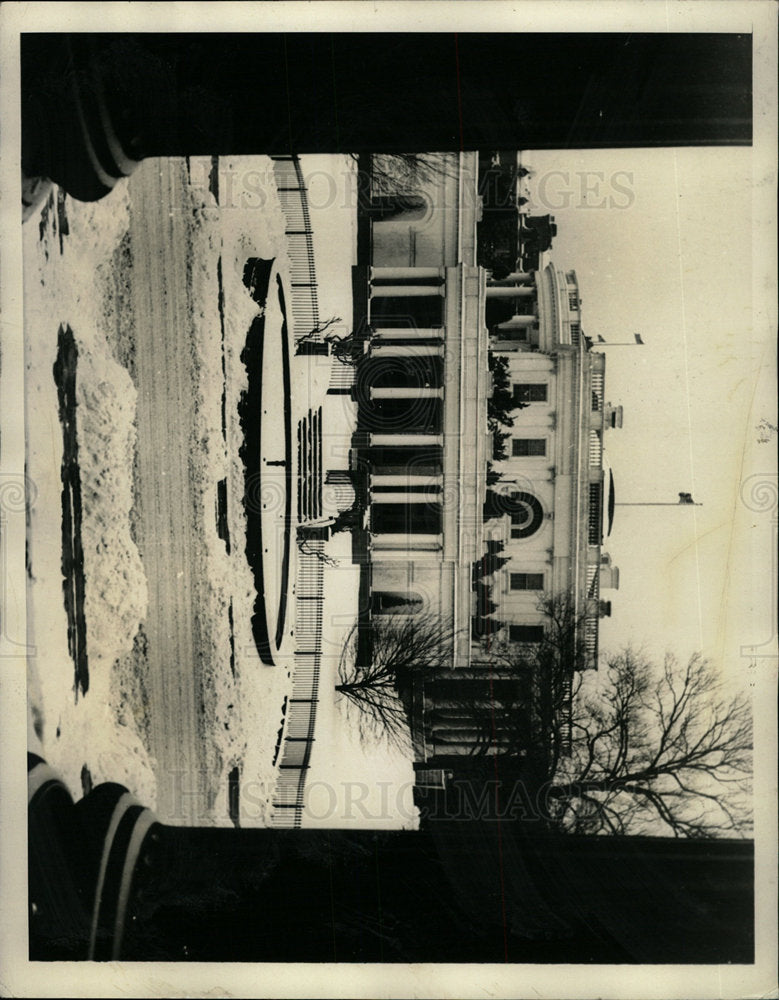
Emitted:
<point x="208" y="94"/>
<point x="72" y="552"/>
<point x="256" y="277"/>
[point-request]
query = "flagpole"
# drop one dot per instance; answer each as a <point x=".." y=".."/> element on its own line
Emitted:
<point x="685" y="500"/>
<point x="656" y="503"/>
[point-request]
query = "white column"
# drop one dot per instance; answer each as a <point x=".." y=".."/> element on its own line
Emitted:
<point x="515" y="278"/>
<point x="409" y="499"/>
<point x="412" y="440"/>
<point x="517" y="323"/>
<point x="406" y="350"/>
<point x="453" y="749"/>
<point x="407" y="543"/>
<point x="512" y="292"/>
<point x="406" y="273"/>
<point x="409" y="333"/>
<point x="432" y="552"/>
<point x="388" y="479"/>
<point x="405" y="392"/>
<point x="410" y="291"/>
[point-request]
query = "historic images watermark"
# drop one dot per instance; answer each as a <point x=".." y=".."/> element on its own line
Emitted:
<point x="555" y="190"/>
<point x="245" y="187"/>
<point x="377" y="803"/>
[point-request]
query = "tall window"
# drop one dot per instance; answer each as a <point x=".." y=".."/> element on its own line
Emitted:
<point x="526" y="633"/>
<point x="530" y="392"/>
<point x="527" y="581"/>
<point x="573" y="301"/>
<point x="524" y="447"/>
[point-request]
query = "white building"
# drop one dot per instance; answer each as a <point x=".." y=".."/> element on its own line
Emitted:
<point x="431" y="319"/>
<point x="554" y="475"/>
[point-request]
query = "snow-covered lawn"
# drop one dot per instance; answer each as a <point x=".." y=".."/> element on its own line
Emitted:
<point x="167" y="725"/>
<point x="64" y="282"/>
<point x="81" y="267"/>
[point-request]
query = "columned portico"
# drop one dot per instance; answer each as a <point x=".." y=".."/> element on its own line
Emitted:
<point x="428" y="325"/>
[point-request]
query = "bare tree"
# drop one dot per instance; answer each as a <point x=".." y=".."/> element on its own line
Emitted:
<point x="663" y="749"/>
<point x="379" y="666"/>
<point x="348" y="349"/>
<point x="408" y="172"/>
<point x="320" y="328"/>
<point x="634" y="749"/>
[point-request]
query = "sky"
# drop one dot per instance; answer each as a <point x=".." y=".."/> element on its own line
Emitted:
<point x="661" y="241"/>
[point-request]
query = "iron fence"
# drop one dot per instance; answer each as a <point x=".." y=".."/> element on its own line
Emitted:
<point x="298" y="741"/>
<point x="299" y="235"/>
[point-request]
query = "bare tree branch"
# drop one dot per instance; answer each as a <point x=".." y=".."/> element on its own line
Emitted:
<point x="379" y="667"/>
<point x="305" y="546"/>
<point x="667" y="748"/>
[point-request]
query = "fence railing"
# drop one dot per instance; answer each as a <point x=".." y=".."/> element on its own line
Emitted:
<point x="300" y="722"/>
<point x="297" y="744"/>
<point x="342" y="376"/>
<point x="299" y="234"/>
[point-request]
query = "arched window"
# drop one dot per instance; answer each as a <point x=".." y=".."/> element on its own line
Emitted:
<point x="526" y="514"/>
